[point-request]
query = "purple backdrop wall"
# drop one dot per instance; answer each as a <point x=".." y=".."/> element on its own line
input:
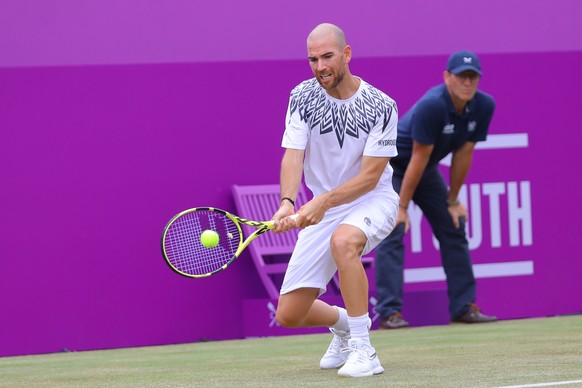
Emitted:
<point x="73" y="32"/>
<point x="95" y="159"/>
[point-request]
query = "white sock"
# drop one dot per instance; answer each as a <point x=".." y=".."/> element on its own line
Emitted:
<point x="342" y="322"/>
<point x="360" y="327"/>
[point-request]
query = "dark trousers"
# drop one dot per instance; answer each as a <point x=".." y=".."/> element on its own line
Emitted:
<point x="431" y="196"/>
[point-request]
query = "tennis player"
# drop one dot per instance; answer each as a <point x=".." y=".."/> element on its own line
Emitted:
<point x="340" y="134"/>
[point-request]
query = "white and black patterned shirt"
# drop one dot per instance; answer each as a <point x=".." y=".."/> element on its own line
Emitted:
<point x="335" y="134"/>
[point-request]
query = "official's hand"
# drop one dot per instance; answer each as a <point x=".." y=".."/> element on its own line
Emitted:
<point x="402" y="218"/>
<point x="458" y="211"/>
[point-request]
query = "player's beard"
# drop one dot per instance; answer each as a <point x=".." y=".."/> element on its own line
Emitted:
<point x="337" y="80"/>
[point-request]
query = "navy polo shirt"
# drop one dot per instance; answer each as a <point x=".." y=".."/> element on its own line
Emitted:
<point x="434" y="120"/>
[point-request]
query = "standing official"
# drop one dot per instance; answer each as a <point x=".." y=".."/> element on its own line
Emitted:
<point x="449" y="118"/>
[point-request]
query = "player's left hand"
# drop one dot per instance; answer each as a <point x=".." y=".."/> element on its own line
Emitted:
<point x="281" y="219"/>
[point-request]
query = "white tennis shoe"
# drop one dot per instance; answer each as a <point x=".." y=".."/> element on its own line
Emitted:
<point x="334" y="357"/>
<point x="362" y="360"/>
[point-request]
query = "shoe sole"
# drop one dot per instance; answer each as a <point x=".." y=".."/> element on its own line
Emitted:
<point x="377" y="371"/>
<point x="334" y="366"/>
<point x="331" y="367"/>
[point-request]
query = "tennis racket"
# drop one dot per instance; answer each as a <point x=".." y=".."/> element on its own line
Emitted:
<point x="182" y="247"/>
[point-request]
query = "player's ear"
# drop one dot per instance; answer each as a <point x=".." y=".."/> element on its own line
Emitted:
<point x="348" y="53"/>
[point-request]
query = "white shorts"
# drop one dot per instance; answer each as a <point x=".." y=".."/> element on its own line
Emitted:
<point x="312" y="264"/>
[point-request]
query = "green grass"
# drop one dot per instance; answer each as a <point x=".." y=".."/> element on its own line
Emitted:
<point x="515" y="352"/>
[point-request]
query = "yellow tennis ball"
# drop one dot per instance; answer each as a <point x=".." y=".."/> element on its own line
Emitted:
<point x="209" y="238"/>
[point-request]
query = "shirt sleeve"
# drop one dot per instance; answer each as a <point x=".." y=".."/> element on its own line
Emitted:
<point x="296" y="135"/>
<point x="382" y="139"/>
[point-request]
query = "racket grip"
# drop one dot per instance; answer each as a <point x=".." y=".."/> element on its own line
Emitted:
<point x="292" y="216"/>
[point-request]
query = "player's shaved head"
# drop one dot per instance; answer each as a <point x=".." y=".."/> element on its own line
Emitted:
<point x="329" y="58"/>
<point x="325" y="29"/>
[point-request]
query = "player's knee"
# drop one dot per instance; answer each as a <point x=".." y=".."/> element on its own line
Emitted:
<point x="339" y="244"/>
<point x="344" y="250"/>
<point x="285" y="319"/>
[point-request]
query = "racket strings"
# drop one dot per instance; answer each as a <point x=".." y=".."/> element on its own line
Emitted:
<point x="185" y="251"/>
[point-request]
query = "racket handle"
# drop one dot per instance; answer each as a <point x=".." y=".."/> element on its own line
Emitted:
<point x="292" y="216"/>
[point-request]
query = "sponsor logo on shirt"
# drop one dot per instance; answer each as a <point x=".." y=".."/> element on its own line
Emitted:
<point x="387" y="143"/>
<point x="367" y="221"/>
<point x="370" y="108"/>
<point x="472" y="125"/>
<point x="449" y="129"/>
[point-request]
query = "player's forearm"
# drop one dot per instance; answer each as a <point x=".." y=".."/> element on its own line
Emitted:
<point x="347" y="192"/>
<point x="291" y="172"/>
<point x="364" y="182"/>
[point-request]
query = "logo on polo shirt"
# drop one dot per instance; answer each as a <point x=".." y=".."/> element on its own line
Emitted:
<point x="471" y="126"/>
<point x="449" y="129"/>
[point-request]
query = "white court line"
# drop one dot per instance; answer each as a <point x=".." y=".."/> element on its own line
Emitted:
<point x="494" y="270"/>
<point x="495" y="142"/>
<point x="543" y="384"/>
<point x="509" y="140"/>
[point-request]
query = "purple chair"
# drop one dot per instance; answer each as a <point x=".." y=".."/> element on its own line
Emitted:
<point x="271" y="252"/>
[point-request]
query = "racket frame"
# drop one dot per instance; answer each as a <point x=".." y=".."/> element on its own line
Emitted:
<point x="262" y="227"/>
